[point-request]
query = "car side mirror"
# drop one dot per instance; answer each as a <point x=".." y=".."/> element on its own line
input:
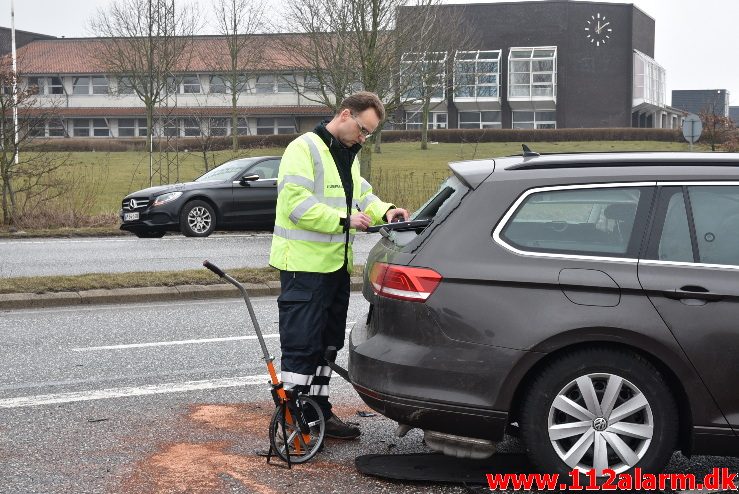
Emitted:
<point x="248" y="178"/>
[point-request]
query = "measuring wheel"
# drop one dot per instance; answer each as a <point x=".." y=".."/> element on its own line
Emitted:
<point x="284" y="429"/>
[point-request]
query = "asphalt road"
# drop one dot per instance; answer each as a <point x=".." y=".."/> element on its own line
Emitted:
<point x="171" y="398"/>
<point x="48" y="257"/>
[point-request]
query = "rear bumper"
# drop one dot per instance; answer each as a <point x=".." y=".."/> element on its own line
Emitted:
<point x="431" y="383"/>
<point x="440" y="417"/>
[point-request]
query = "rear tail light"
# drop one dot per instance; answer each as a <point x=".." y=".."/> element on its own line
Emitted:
<point x="403" y="282"/>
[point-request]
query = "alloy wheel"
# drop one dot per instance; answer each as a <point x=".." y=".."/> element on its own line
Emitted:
<point x="199" y="219"/>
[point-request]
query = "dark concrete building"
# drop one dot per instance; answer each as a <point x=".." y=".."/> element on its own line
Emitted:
<point x="734" y="114"/>
<point x="702" y="100"/>
<point x="553" y="63"/>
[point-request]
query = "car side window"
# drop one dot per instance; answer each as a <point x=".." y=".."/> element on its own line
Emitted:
<point x="716" y="216"/>
<point x="265" y="169"/>
<point x="590" y="221"/>
<point x="674" y="242"/>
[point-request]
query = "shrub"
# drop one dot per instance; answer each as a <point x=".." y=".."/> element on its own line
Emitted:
<point x="438" y="135"/>
<point x="542" y="135"/>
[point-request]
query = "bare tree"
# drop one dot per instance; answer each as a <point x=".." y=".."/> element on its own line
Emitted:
<point x="427" y="68"/>
<point x="323" y="47"/>
<point x="349" y="45"/>
<point x="148" y="41"/>
<point x="717" y="128"/>
<point x="27" y="179"/>
<point x="238" y="21"/>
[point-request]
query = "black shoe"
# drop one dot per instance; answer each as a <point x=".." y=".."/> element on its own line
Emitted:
<point x="337" y="429"/>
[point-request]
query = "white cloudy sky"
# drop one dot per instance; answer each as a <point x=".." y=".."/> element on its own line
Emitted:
<point x="696" y="40"/>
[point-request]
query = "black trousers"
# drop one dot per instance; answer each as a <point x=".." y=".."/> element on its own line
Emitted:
<point x="313" y="308"/>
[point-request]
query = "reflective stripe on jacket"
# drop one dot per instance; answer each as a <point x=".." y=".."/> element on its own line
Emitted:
<point x="310" y="201"/>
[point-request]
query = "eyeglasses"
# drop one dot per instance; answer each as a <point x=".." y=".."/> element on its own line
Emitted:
<point x="365" y="133"/>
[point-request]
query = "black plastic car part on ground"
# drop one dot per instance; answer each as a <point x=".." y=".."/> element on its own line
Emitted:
<point x="586" y="303"/>
<point x="240" y="194"/>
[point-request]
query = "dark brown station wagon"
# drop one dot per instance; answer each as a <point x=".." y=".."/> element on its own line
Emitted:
<point x="586" y="302"/>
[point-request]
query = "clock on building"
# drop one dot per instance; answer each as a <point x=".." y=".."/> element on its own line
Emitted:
<point x="598" y="29"/>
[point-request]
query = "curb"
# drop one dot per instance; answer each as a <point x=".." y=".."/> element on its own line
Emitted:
<point x="11" y="301"/>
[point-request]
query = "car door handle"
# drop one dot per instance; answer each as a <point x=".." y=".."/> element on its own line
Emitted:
<point x="694" y="292"/>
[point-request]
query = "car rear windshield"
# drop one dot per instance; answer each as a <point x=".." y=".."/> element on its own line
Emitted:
<point x="436" y="208"/>
<point x="225" y="171"/>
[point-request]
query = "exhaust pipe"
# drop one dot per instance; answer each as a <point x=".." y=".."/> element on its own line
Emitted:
<point x="459" y="446"/>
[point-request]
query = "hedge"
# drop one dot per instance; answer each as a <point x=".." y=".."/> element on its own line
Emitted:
<point x="194" y="144"/>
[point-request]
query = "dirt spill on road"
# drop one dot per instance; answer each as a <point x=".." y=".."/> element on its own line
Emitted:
<point x="249" y="418"/>
<point x="208" y="467"/>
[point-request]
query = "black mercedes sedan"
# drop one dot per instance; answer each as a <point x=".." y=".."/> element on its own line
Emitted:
<point x="240" y="194"/>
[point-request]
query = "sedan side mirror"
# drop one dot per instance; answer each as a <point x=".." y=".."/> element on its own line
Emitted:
<point x="248" y="178"/>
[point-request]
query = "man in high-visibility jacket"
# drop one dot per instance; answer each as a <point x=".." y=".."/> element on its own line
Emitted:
<point x="322" y="201"/>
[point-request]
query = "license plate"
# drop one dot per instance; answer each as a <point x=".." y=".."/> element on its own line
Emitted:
<point x="130" y="216"/>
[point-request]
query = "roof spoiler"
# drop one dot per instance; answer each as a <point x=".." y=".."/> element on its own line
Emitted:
<point x="528" y="153"/>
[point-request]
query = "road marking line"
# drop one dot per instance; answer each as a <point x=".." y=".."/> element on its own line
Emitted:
<point x="152" y="389"/>
<point x="129" y="239"/>
<point x="182" y="342"/>
<point x="171" y="343"/>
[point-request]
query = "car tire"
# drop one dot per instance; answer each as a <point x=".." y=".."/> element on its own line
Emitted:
<point x="631" y="419"/>
<point x="197" y="219"/>
<point x="150" y="234"/>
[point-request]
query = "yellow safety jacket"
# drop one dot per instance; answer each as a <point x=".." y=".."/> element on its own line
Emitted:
<point x="310" y="201"/>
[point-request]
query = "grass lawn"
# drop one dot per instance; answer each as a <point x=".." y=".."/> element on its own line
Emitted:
<point x="401" y="168"/>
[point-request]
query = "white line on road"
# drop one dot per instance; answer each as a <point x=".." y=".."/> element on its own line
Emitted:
<point x="152" y="389"/>
<point x="183" y="342"/>
<point x="129" y="239"/>
<point x="171" y="343"/>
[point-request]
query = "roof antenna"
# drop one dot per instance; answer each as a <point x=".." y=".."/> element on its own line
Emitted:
<point x="527" y="152"/>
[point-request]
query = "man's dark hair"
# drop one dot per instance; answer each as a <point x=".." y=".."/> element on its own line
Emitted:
<point x="362" y="100"/>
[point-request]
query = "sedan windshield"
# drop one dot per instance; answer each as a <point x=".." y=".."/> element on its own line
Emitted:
<point x="225" y="171"/>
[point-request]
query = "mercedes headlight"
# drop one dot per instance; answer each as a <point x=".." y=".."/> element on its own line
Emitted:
<point x="165" y="198"/>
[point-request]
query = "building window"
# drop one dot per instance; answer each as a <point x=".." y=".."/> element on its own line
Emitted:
<point x="479" y="120"/>
<point x="265" y="84"/>
<point x="275" y="83"/>
<point x="532" y="73"/>
<point x="280" y="125"/>
<point x="191" y="127"/>
<point x="218" y="126"/>
<point x="311" y="84"/>
<point x="476" y="74"/>
<point x="125" y="86"/>
<point x="286" y="83"/>
<point x="99" y="85"/>
<point x="190" y="84"/>
<point x="423" y="76"/>
<point x="90" y="85"/>
<point x="242" y="126"/>
<point x="55" y="86"/>
<point x="649" y="81"/>
<point x="534" y="119"/>
<point x="131" y="127"/>
<point x="57" y="128"/>
<point x="217" y="84"/>
<point x="168" y="127"/>
<point x="81" y="127"/>
<point x="81" y="85"/>
<point x="437" y="120"/>
<point x="100" y="127"/>
<point x="36" y="84"/>
<point x="33" y="127"/>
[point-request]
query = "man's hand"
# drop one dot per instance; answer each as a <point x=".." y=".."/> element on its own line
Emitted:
<point x="395" y="215"/>
<point x="360" y="221"/>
